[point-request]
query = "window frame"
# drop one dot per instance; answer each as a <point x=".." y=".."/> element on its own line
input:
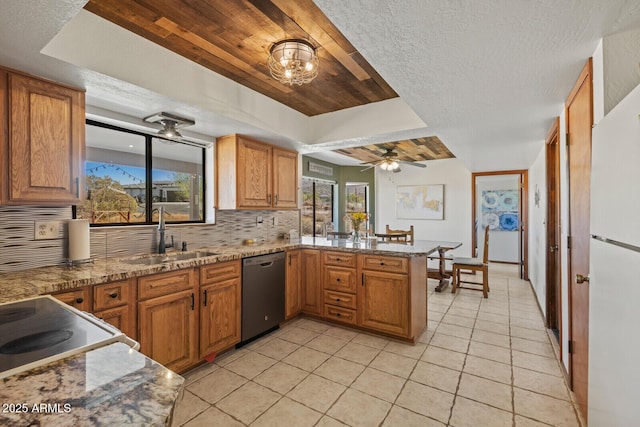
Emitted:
<point x="149" y="137"/>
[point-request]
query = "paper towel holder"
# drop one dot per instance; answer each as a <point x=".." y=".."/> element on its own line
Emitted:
<point x="74" y="263"/>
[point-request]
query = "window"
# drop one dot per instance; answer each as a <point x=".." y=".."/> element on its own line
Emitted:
<point x="357" y="200"/>
<point x="130" y="175"/>
<point x="317" y="206"/>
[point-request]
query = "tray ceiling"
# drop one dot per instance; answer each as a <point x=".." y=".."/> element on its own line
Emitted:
<point x="233" y="37"/>
<point x="409" y="150"/>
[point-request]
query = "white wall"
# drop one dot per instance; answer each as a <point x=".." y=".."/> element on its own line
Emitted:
<point x="456" y="225"/>
<point x="537" y="228"/>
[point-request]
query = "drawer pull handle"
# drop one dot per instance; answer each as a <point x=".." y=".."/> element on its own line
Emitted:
<point x="338" y="279"/>
<point x="205" y="297"/>
<point x="79" y="300"/>
<point x="382" y="263"/>
<point x="193" y="301"/>
<point x="337" y="299"/>
<point x="338" y="314"/>
<point x="113" y="295"/>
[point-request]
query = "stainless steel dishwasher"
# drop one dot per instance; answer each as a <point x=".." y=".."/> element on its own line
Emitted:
<point x="262" y="294"/>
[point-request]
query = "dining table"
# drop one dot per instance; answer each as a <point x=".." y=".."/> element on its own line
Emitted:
<point x="443" y="248"/>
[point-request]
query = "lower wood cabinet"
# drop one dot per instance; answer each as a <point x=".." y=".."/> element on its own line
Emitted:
<point x="220" y="310"/>
<point x="115" y="303"/>
<point x="168" y="321"/>
<point x="293" y="289"/>
<point x="312" y="298"/>
<point x="383" y="302"/>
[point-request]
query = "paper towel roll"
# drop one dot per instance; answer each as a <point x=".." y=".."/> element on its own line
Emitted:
<point x="79" y="247"/>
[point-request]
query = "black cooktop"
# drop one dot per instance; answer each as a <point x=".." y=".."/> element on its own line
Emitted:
<point x="39" y="330"/>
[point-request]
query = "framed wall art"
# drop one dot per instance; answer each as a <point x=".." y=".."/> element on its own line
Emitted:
<point x="420" y="201"/>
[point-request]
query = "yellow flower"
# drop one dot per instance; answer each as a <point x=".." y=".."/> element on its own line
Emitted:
<point x="356" y="218"/>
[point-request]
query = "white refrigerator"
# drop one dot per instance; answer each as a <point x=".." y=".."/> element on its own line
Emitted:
<point x="614" y="286"/>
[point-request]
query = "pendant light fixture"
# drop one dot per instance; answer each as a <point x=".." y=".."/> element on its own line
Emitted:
<point x="293" y="61"/>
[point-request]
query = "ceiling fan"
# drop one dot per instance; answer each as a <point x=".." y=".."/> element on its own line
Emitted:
<point x="389" y="162"/>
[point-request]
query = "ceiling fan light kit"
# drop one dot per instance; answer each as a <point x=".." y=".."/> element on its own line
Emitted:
<point x="170" y="123"/>
<point x="293" y="61"/>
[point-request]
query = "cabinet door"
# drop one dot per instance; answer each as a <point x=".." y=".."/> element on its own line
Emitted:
<point x="312" y="298"/>
<point x="383" y="302"/>
<point x="220" y="319"/>
<point x="122" y="318"/>
<point x="254" y="174"/>
<point x="293" y="290"/>
<point x="285" y="179"/>
<point x="46" y="145"/>
<point x="77" y="298"/>
<point x="169" y="329"/>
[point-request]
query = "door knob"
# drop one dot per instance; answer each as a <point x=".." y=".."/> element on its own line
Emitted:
<point x="581" y="279"/>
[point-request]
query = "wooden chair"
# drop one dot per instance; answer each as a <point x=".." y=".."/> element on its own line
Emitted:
<point x="404" y="236"/>
<point x="480" y="263"/>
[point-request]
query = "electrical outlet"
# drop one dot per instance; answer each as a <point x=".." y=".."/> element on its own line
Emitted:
<point x="259" y="220"/>
<point x="275" y="220"/>
<point x="46" y="230"/>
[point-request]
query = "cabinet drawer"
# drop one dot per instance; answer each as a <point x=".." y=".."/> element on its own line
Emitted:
<point x="219" y="271"/>
<point x="111" y="295"/>
<point x="339" y="258"/>
<point x="341" y="314"/>
<point x="340" y="298"/>
<point x="165" y="283"/>
<point x="385" y="263"/>
<point x="77" y="298"/>
<point x="340" y="279"/>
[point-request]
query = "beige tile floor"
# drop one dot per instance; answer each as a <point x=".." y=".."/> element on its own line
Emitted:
<point x="480" y="363"/>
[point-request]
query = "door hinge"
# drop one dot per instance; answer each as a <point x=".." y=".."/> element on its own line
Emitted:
<point x="568" y="242"/>
<point x="567" y="135"/>
<point x="570" y="346"/>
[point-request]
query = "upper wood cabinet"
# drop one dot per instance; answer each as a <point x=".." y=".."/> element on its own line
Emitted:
<point x="253" y="175"/>
<point x="42" y="141"/>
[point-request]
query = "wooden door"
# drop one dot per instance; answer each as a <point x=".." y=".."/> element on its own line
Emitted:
<point x="553" y="262"/>
<point x="169" y="329"/>
<point x="220" y="316"/>
<point x="285" y="179"/>
<point x="293" y="290"/>
<point x="46" y="145"/>
<point x="383" y="302"/>
<point x="254" y="174"/>
<point x="122" y="318"/>
<point x="579" y="112"/>
<point x="312" y="299"/>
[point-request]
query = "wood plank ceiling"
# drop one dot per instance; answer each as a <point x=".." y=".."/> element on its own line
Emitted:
<point x="233" y="38"/>
<point x="409" y="150"/>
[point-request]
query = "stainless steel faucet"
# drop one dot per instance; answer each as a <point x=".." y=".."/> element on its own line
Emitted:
<point x="162" y="246"/>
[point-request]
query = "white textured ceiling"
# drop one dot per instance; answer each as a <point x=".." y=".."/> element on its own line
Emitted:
<point x="487" y="77"/>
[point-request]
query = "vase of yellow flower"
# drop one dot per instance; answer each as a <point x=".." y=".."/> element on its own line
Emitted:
<point x="356" y="218"/>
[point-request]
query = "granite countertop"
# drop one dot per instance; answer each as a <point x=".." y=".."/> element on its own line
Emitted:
<point x="111" y="385"/>
<point x="45" y="280"/>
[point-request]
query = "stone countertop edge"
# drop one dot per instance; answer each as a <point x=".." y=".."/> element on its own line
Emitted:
<point x="30" y="283"/>
<point x="111" y="385"/>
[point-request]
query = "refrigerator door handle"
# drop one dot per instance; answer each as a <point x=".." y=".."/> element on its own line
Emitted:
<point x="616" y="243"/>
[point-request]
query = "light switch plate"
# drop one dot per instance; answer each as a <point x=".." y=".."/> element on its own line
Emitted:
<point x="46" y="230"/>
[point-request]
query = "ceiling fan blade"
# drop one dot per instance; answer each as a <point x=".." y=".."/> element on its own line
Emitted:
<point x="367" y="168"/>
<point x="372" y="162"/>
<point x="397" y="170"/>
<point x="418" y="165"/>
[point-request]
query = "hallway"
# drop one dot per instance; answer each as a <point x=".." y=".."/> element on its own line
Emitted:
<point x="480" y="363"/>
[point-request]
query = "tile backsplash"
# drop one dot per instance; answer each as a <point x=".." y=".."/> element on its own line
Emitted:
<point x="19" y="250"/>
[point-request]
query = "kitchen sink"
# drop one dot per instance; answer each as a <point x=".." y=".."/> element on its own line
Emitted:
<point x="191" y="255"/>
<point x="161" y="259"/>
